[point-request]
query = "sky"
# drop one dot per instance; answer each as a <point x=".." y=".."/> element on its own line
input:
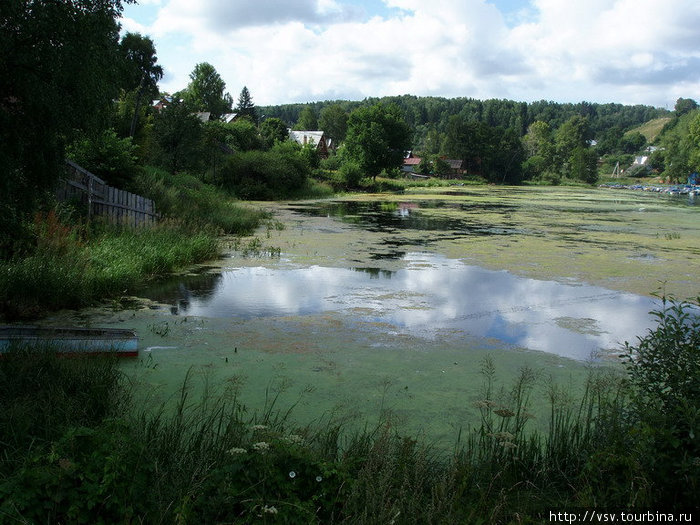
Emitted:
<point x="289" y="51"/>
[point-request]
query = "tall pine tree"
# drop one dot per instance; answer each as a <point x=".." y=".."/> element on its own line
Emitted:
<point x="245" y="106"/>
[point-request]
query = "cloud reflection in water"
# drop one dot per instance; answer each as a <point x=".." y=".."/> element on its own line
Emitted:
<point x="433" y="294"/>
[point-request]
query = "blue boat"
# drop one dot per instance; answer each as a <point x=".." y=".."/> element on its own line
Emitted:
<point x="120" y="341"/>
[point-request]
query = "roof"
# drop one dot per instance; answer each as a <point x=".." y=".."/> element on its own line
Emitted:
<point x="304" y="137"/>
<point x="203" y="115"/>
<point x="412" y="161"/>
<point x="229" y="117"/>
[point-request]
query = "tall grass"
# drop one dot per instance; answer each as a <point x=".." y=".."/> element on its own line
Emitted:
<point x="71" y="274"/>
<point x="193" y="201"/>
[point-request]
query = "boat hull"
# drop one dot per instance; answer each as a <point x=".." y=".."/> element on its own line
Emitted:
<point x="122" y="342"/>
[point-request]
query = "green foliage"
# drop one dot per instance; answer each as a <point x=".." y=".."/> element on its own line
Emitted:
<point x="205" y="92"/>
<point x="351" y="174"/>
<point x="69" y="273"/>
<point x="664" y="367"/>
<point x="273" y="130"/>
<point x="140" y="71"/>
<point x="377" y="138"/>
<point x="307" y="120"/>
<point x="265" y="175"/>
<point x="333" y="120"/>
<point x="107" y="156"/>
<point x="245" y="107"/>
<point x="685" y="105"/>
<point x="58" y="76"/>
<point x="177" y="138"/>
<point x="188" y="199"/>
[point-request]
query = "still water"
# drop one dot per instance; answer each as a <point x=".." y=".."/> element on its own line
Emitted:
<point x="430" y="297"/>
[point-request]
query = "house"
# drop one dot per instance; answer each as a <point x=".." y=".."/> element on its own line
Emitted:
<point x="204" y="116"/>
<point x="456" y="167"/>
<point x="410" y="164"/>
<point x="162" y="102"/>
<point x="312" y="137"/>
<point x="229" y="117"/>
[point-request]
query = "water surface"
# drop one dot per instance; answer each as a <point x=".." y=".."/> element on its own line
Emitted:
<point x="431" y="297"/>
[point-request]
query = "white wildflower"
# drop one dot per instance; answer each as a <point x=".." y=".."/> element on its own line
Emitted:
<point x="235" y="450"/>
<point x="269" y="510"/>
<point x="261" y="446"/>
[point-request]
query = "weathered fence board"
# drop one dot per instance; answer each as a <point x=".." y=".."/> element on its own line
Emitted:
<point x="115" y="205"/>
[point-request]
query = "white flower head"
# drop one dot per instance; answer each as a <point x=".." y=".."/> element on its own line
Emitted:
<point x="292" y="474"/>
<point x="261" y="446"/>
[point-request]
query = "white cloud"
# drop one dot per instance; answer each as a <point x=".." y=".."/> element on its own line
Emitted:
<point x="629" y="51"/>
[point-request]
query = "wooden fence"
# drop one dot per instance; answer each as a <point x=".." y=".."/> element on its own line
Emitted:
<point x="116" y="206"/>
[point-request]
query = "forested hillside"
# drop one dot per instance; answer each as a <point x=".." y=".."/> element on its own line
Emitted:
<point x="429" y="116"/>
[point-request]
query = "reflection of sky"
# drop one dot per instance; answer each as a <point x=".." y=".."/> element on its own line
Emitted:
<point x="435" y="293"/>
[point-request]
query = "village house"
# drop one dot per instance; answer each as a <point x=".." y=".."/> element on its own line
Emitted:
<point x="323" y="144"/>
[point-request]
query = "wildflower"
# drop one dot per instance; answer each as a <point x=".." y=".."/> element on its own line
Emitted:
<point x="319" y="479"/>
<point x="269" y="510"/>
<point x="261" y="446"/>
<point x="235" y="450"/>
<point x="292" y="474"/>
<point x="504" y="412"/>
<point x="257" y="428"/>
<point x="294" y="439"/>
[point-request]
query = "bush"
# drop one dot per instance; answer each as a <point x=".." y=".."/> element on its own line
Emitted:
<point x="265" y="175"/>
<point x="107" y="156"/>
<point x="192" y="201"/>
<point x="664" y="367"/>
<point x="351" y="174"/>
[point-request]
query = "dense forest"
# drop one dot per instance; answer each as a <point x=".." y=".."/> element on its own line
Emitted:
<point x="427" y="115"/>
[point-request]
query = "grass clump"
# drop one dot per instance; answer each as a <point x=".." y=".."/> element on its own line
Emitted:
<point x="71" y="268"/>
<point x="189" y="200"/>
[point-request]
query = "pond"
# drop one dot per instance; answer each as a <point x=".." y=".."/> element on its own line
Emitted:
<point x="377" y="303"/>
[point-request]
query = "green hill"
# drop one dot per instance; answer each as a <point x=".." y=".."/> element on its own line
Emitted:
<point x="652" y="128"/>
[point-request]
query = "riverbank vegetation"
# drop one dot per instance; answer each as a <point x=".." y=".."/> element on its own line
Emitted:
<point x="77" y="449"/>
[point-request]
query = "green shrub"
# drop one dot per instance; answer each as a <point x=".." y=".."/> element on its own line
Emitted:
<point x="265" y="175"/>
<point x="664" y="367"/>
<point x="192" y="201"/>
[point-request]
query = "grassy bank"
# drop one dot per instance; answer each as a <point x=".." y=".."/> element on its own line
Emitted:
<point x="67" y="272"/>
<point x="628" y="443"/>
<point x="69" y="263"/>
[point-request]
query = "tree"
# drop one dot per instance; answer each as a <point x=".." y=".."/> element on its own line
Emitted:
<point x="377" y="138"/>
<point x="307" y="120"/>
<point x="205" y="92"/>
<point x="245" y="106"/>
<point x="140" y="70"/>
<point x="58" y="77"/>
<point x="177" y="134"/>
<point x="334" y="122"/>
<point x="685" y="105"/>
<point x="273" y="130"/>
